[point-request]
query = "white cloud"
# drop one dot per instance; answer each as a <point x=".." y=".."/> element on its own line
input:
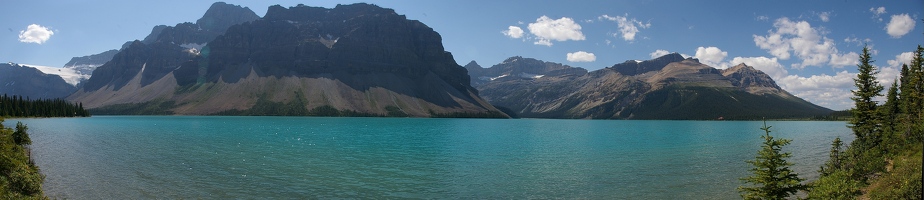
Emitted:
<point x="900" y="25"/>
<point x="824" y="16"/>
<point x="844" y="60"/>
<point x="658" y="53"/>
<point x="877" y="11"/>
<point x="825" y="90"/>
<point x="581" y="56"/>
<point x="859" y="42"/>
<point x="546" y="29"/>
<point x="545" y="42"/>
<point x="770" y="66"/>
<point x="627" y="27"/>
<point x="800" y="39"/>
<point x="711" y="56"/>
<point x="763" y="18"/>
<point x="903" y="58"/>
<point x="513" y="32"/>
<point x="887" y="75"/>
<point x="35" y="33"/>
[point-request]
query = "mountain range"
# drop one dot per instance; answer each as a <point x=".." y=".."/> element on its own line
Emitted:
<point x="364" y="60"/>
<point x="351" y="60"/>
<point x="668" y="87"/>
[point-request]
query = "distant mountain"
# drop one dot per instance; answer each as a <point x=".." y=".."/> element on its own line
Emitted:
<point x="519" y="68"/>
<point x="351" y="60"/>
<point x="83" y="66"/>
<point x="26" y="81"/>
<point x="668" y="87"/>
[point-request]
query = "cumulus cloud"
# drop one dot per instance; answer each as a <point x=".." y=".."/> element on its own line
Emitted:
<point x="899" y="25"/>
<point x="711" y="56"/>
<point x="581" y="56"/>
<point x="627" y="27"/>
<point x="844" y="60"/>
<point x="513" y="32"/>
<point x="790" y="38"/>
<point x="770" y="66"/>
<point x="35" y="33"/>
<point x="877" y="11"/>
<point x="887" y="75"/>
<point x="903" y="58"/>
<point x="824" y="16"/>
<point x="547" y="29"/>
<point x="825" y="90"/>
<point x="658" y="53"/>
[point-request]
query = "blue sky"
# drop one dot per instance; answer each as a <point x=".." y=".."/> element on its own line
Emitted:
<point x="808" y="47"/>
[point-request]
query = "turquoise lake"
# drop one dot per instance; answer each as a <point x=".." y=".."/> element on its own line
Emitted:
<point x="191" y="157"/>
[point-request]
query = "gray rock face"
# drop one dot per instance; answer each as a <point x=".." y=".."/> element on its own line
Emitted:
<point x="359" y="58"/>
<point x="29" y="82"/>
<point x="166" y="48"/>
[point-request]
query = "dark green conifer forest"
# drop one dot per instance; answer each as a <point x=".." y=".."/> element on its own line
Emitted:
<point x="16" y="106"/>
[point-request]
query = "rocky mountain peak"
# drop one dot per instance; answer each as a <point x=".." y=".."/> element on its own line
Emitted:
<point x="472" y="65"/>
<point x="751" y="79"/>
<point x="632" y="68"/>
<point x="221" y="15"/>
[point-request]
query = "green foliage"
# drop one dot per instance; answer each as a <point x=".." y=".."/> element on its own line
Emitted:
<point x="903" y="182"/>
<point x="19" y="177"/>
<point x="891" y="132"/>
<point x="772" y="178"/>
<point x="834" y="185"/>
<point x="835" y="158"/>
<point x="20" y="137"/>
<point x="866" y="119"/>
<point x="16" y="106"/>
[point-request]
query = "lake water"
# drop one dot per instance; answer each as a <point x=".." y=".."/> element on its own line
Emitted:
<point x="188" y="157"/>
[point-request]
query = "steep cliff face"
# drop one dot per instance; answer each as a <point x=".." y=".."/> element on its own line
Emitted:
<point x="669" y="87"/>
<point x="29" y="82"/>
<point x="355" y="59"/>
<point x="164" y="50"/>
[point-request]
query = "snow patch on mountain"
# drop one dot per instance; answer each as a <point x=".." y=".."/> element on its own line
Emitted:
<point x="70" y="75"/>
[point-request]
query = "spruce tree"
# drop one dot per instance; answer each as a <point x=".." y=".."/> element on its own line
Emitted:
<point x="20" y="136"/>
<point x="772" y="178"/>
<point x="865" y="121"/>
<point x="836" y="158"/>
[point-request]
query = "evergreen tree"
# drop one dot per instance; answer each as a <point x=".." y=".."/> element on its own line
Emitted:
<point x="836" y="158"/>
<point x="772" y="178"/>
<point x="20" y="137"/>
<point x="912" y="99"/>
<point x="865" y="121"/>
<point x="890" y="112"/>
